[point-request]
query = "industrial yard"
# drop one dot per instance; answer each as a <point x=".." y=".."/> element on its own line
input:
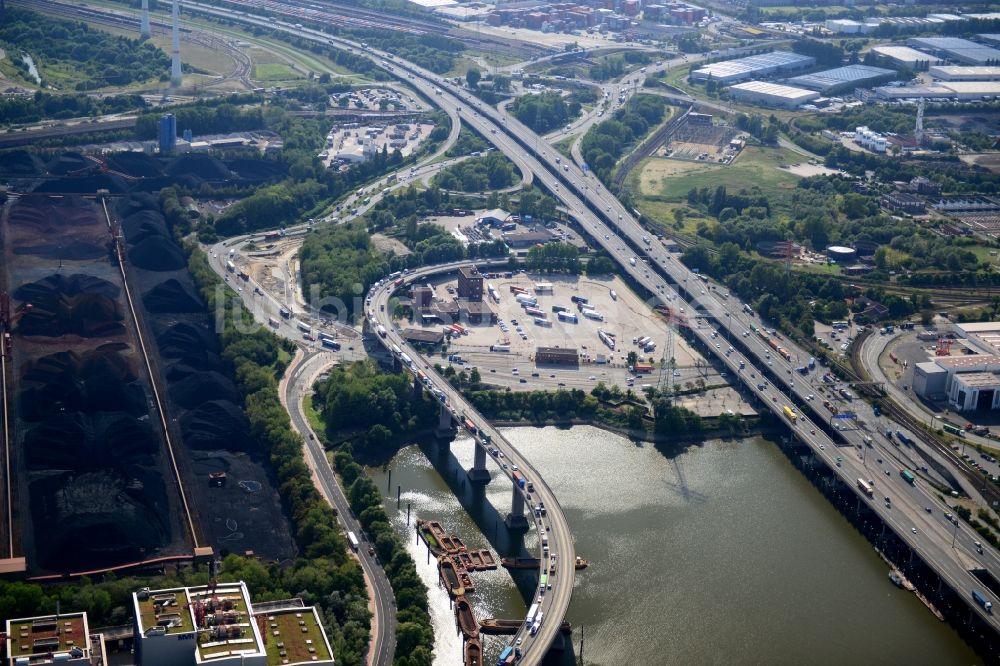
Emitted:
<point x="526" y="351"/>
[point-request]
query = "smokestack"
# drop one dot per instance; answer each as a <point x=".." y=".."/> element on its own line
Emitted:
<point x="175" y="65"/>
<point x="144" y="24"/>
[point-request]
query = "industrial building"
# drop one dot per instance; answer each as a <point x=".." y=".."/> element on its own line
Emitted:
<point x="841" y="254"/>
<point x="764" y="64"/>
<point x="904" y="56"/>
<point x="217" y="624"/>
<point x="493" y="218"/>
<point x="953" y="90"/>
<point x="843" y="78"/>
<point x="556" y="356"/>
<point x="167" y="133"/>
<point x="422" y="336"/>
<point x="470" y="284"/>
<point x="957" y="49"/>
<point x="967" y="382"/>
<point x="904" y="202"/>
<point x="53" y="639"/>
<point x="772" y="94"/>
<point x="965" y="73"/>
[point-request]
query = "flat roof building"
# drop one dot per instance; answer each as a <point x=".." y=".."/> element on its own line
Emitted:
<point x="423" y="336"/>
<point x="904" y="56"/>
<point x="731" y="71"/>
<point x="970" y="382"/>
<point x="53" y="639"/>
<point x="556" y="356"/>
<point x="965" y="73"/>
<point x="772" y="94"/>
<point x="957" y="90"/>
<point x="960" y="50"/>
<point x="851" y="76"/>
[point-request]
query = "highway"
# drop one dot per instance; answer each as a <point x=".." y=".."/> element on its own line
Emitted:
<point x="614" y="228"/>
<point x="554" y="601"/>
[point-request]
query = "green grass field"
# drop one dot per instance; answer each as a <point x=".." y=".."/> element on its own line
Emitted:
<point x="274" y="71"/>
<point x="755" y="167"/>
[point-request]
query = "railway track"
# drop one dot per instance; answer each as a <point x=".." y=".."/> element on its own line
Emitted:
<point x="856" y="372"/>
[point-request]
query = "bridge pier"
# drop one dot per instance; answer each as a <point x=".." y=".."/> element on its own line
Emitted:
<point x="418" y="389"/>
<point x="478" y="473"/>
<point x="515" y="520"/>
<point x="445" y="427"/>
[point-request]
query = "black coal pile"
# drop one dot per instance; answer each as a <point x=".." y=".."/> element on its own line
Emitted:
<point x="257" y="170"/>
<point x="205" y="167"/>
<point x="157" y="253"/>
<point x="84" y="184"/>
<point x="68" y="381"/>
<point x="93" y="519"/>
<point x="70" y="250"/>
<point x="137" y="165"/>
<point x="88" y="442"/>
<point x="153" y="185"/>
<point x="134" y="203"/>
<point x="70" y="305"/>
<point x="20" y="163"/>
<point x="190" y="344"/>
<point x="60" y="165"/>
<point x="173" y="296"/>
<point x="216" y="424"/>
<point x="205" y="402"/>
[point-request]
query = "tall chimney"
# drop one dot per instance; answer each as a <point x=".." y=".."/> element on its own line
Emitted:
<point x="175" y="65"/>
<point x="144" y="24"/>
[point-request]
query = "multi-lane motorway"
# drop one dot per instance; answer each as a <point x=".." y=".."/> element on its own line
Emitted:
<point x="613" y="227"/>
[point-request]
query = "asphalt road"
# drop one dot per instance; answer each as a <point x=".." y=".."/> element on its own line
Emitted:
<point x="553" y="602"/>
<point x="614" y="228"/>
<point x="300" y="377"/>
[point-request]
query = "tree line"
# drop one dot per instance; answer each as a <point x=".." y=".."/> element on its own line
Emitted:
<point x="491" y="171"/>
<point x="44" y="106"/>
<point x="608" y="141"/>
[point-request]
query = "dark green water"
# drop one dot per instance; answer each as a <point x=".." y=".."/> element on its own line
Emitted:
<point x="724" y="554"/>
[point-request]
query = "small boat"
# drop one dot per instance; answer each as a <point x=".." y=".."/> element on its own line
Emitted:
<point x="473" y="652"/>
<point x="465" y="619"/>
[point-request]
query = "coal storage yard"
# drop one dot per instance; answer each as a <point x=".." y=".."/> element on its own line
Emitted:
<point x="94" y="487"/>
<point x="240" y="511"/>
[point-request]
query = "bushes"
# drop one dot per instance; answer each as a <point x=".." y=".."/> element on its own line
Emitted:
<point x="607" y="142"/>
<point x="544" y="112"/>
<point x="491" y="171"/>
<point x="98" y="58"/>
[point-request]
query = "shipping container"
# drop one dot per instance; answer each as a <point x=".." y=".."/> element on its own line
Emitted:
<point x="305" y="328"/>
<point x="568" y="317"/>
<point x="499" y="348"/>
<point x="231" y="267"/>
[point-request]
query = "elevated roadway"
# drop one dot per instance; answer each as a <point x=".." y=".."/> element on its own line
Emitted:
<point x="552" y="528"/>
<point x="615" y="229"/>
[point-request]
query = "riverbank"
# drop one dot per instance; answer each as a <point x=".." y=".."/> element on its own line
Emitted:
<point x="752" y="429"/>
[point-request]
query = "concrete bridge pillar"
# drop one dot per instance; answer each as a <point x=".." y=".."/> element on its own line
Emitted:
<point x="444" y="418"/>
<point x="418" y="388"/>
<point x="479" y="473"/>
<point x="515" y="520"/>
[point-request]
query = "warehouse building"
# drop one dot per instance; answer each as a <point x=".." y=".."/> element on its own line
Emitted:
<point x="764" y="64"/>
<point x="772" y="94"/>
<point x="957" y="49"/>
<point x="965" y="73"/>
<point x="904" y="56"/>
<point x="843" y="78"/>
<point x="952" y="90"/>
<point x="968" y="383"/>
<point x="556" y="356"/>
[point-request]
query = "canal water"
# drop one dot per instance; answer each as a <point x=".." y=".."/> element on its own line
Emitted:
<point x="722" y="554"/>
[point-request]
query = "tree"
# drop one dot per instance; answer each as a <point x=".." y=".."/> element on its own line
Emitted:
<point x="472" y="77"/>
<point x="632" y="359"/>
